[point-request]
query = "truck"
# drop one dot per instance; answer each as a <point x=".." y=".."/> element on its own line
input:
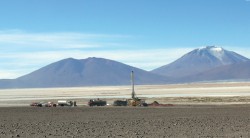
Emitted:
<point x="120" y="103"/>
<point x="135" y="101"/>
<point x="66" y="103"/>
<point x="97" y="102"/>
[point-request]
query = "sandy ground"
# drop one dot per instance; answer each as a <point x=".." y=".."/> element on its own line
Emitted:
<point x="196" y="121"/>
<point x="219" y="110"/>
<point x="210" y="93"/>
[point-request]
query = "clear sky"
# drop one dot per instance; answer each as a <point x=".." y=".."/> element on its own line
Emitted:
<point x="142" y="33"/>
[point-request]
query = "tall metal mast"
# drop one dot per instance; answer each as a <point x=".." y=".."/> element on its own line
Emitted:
<point x="132" y="83"/>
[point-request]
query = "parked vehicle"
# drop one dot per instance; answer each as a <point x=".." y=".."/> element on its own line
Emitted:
<point x="120" y="103"/>
<point x="66" y="103"/>
<point x="97" y="102"/>
<point x="50" y="104"/>
<point x="43" y="104"/>
<point x="36" y="104"/>
<point x="135" y="101"/>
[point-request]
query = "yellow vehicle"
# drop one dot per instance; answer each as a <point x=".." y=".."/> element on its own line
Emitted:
<point x="135" y="101"/>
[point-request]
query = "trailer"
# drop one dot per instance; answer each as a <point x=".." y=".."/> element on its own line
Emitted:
<point x="66" y="103"/>
<point x="120" y="103"/>
<point x="97" y="102"/>
<point x="43" y="104"/>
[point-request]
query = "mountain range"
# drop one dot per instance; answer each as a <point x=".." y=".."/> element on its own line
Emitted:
<point x="203" y="64"/>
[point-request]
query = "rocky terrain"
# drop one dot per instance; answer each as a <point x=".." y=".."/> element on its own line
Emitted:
<point x="177" y="121"/>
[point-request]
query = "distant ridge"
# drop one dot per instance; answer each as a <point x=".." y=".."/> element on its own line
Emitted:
<point x="200" y="65"/>
<point x="200" y="60"/>
<point x="232" y="72"/>
<point x="85" y="72"/>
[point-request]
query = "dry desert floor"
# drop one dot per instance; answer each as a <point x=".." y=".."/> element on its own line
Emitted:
<point x="211" y="110"/>
<point x="196" y="121"/>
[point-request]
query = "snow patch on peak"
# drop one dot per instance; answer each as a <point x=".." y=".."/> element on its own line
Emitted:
<point x="212" y="48"/>
<point x="216" y="49"/>
<point x="201" y="48"/>
<point x="217" y="52"/>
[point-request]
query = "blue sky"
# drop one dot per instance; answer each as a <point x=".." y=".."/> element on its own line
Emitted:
<point x="143" y="33"/>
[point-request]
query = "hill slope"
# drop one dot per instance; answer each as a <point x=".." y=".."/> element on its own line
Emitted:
<point x="86" y="72"/>
<point x="200" y="60"/>
<point x="232" y="72"/>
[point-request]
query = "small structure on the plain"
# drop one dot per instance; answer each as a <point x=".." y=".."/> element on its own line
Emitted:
<point x="97" y="102"/>
<point x="66" y="103"/>
<point x="135" y="101"/>
<point x="120" y="103"/>
<point x="43" y="104"/>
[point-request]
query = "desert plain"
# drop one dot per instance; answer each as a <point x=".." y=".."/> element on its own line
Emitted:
<point x="218" y="110"/>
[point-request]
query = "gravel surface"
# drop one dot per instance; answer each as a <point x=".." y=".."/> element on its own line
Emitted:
<point x="180" y="121"/>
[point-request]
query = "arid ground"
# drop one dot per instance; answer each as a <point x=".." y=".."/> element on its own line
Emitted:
<point x="196" y="121"/>
<point x="218" y="110"/>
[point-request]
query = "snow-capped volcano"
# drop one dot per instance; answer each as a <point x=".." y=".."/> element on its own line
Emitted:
<point x="200" y="60"/>
<point x="221" y="55"/>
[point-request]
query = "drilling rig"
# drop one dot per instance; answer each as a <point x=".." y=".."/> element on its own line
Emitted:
<point x="134" y="101"/>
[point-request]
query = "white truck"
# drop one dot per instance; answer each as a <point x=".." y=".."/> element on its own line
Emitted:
<point x="66" y="103"/>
